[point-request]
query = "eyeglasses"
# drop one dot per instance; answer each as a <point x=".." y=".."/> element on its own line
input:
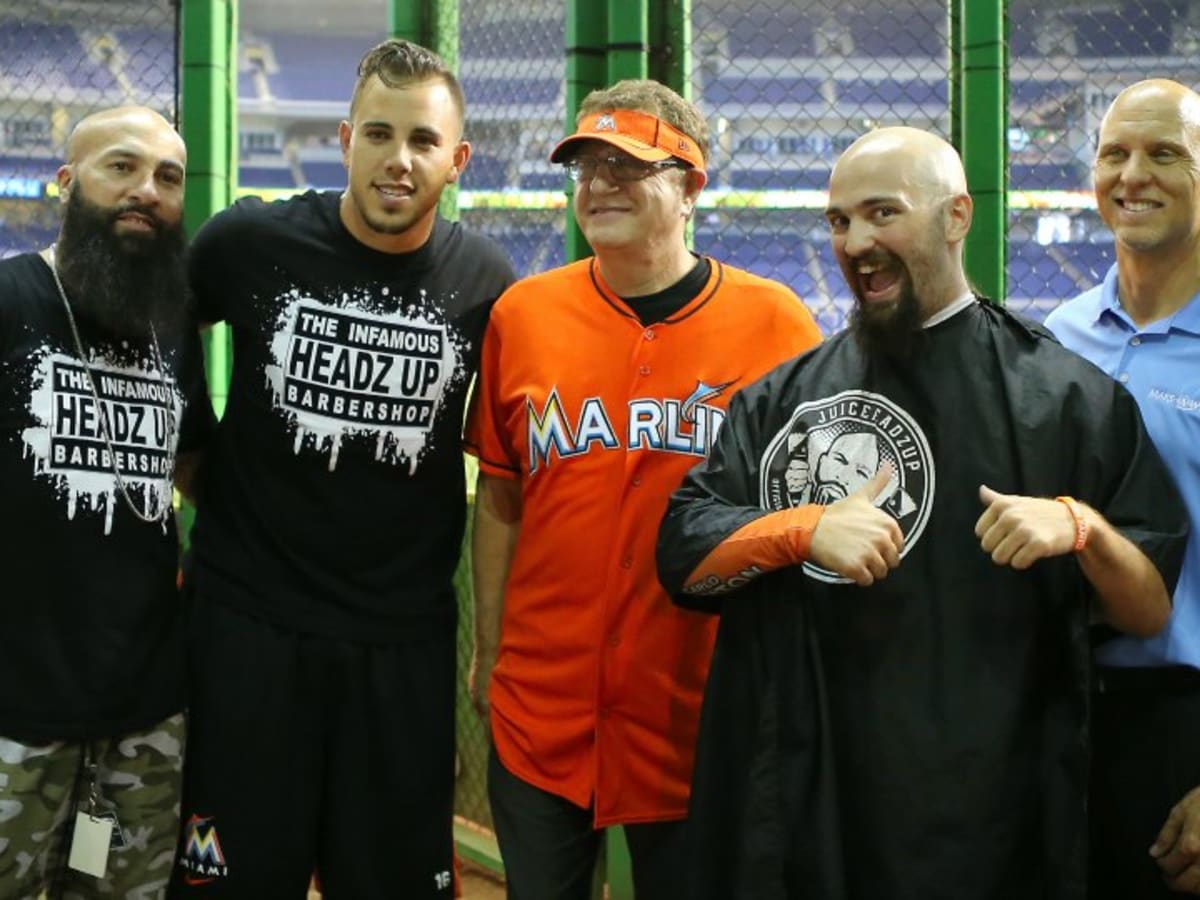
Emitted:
<point x="620" y="168"/>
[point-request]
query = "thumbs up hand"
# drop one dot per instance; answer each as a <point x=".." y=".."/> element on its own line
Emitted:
<point x="855" y="538"/>
<point x="1018" y="531"/>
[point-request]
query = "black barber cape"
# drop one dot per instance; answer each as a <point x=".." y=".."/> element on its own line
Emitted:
<point x="925" y="737"/>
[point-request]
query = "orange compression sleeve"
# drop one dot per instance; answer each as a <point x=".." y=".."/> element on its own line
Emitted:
<point x="776" y="540"/>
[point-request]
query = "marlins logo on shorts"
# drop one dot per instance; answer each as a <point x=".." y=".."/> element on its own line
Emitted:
<point x="202" y="856"/>
<point x="832" y="447"/>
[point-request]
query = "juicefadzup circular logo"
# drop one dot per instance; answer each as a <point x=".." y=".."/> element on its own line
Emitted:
<point x="832" y="447"/>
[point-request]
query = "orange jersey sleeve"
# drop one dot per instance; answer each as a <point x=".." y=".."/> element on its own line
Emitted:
<point x="779" y="539"/>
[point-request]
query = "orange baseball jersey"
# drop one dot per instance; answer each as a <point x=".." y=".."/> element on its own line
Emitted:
<point x="597" y="687"/>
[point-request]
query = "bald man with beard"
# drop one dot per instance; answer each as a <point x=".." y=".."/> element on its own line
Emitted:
<point x="898" y="701"/>
<point x="103" y="406"/>
<point x="1142" y="326"/>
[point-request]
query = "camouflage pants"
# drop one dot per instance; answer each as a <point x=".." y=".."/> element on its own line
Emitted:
<point x="42" y="787"/>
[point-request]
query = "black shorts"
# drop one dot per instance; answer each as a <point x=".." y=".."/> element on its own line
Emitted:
<point x="310" y="754"/>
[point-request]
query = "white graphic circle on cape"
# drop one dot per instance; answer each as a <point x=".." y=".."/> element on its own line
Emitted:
<point x="830" y="447"/>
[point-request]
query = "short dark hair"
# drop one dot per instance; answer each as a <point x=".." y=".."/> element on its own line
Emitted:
<point x="399" y="63"/>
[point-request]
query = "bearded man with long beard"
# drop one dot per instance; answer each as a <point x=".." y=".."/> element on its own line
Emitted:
<point x="898" y="703"/>
<point x="103" y="409"/>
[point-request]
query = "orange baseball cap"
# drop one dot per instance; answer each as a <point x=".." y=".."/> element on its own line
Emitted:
<point x="639" y="134"/>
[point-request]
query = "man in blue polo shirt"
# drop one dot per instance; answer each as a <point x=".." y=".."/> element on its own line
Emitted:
<point x="1142" y="326"/>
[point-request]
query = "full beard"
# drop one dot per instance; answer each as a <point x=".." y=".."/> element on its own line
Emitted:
<point x="889" y="329"/>
<point x="127" y="286"/>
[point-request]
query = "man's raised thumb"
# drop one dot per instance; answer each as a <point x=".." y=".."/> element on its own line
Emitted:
<point x="878" y="482"/>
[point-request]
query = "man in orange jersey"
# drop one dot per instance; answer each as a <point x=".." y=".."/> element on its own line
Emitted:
<point x="593" y="679"/>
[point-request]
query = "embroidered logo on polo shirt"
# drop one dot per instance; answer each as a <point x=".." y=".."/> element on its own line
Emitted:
<point x="1178" y="399"/>
<point x="832" y="447"/>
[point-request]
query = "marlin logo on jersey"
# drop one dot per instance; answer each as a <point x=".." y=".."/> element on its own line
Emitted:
<point x="701" y="393"/>
<point x="202" y="856"/>
<point x="665" y="425"/>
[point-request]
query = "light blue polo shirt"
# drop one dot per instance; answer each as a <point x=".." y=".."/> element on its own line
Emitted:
<point x="1160" y="365"/>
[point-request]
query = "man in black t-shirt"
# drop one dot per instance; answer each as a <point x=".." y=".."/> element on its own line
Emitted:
<point x="333" y="504"/>
<point x="102" y="401"/>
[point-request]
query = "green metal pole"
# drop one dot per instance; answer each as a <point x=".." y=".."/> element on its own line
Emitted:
<point x="955" y="74"/>
<point x="586" y="71"/>
<point x="671" y="45"/>
<point x="445" y="42"/>
<point x="628" y="56"/>
<point x="407" y="21"/>
<point x="628" y="40"/>
<point x="671" y="53"/>
<point x="209" y="127"/>
<point x="433" y="25"/>
<point x="984" y="145"/>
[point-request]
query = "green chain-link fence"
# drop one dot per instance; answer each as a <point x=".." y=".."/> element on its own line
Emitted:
<point x="511" y="62"/>
<point x="59" y="61"/>
<point x="787" y="85"/>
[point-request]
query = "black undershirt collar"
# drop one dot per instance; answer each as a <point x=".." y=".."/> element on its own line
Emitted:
<point x="653" y="308"/>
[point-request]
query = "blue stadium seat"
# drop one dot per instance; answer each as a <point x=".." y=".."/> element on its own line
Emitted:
<point x="1049" y="176"/>
<point x="315" y="67"/>
<point x="541" y="38"/>
<point x="542" y="181"/>
<point x="722" y="92"/>
<point x="265" y="176"/>
<point x="790" y="34"/>
<point x="893" y="92"/>
<point x="149" y="57"/>
<point x="51" y="57"/>
<point x="324" y="174"/>
<point x="41" y="169"/>
<point x="485" y="173"/>
<point x="498" y="91"/>
<point x="907" y="33"/>
<point x="1132" y="29"/>
<point x="778" y="179"/>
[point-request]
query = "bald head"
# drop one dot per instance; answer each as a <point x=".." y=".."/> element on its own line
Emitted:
<point x="110" y="126"/>
<point x="1157" y="98"/>
<point x="924" y="163"/>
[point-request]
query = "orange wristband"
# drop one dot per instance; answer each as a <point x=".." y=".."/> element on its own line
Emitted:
<point x="1081" y="526"/>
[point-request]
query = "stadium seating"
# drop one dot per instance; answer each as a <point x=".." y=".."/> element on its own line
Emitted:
<point x="33" y="53"/>
<point x="324" y="174"/>
<point x="266" y="176"/>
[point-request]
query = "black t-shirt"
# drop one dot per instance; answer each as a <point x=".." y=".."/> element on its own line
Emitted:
<point x="334" y="496"/>
<point x="89" y="613"/>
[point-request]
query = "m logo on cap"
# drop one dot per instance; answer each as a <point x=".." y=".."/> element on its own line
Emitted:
<point x="606" y="123"/>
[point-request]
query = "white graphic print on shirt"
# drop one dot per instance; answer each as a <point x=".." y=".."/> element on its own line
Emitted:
<point x="67" y="444"/>
<point x="342" y="371"/>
